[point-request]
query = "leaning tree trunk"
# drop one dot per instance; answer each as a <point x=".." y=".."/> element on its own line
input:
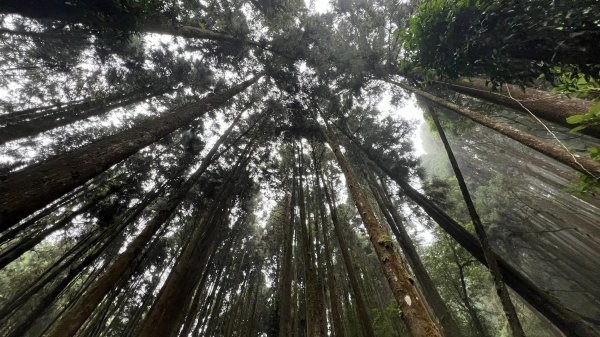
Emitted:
<point x="414" y="313"/>
<point x="163" y="318"/>
<point x="584" y="165"/>
<point x="361" y="307"/>
<point x="551" y="107"/>
<point x="563" y="318"/>
<point x="70" y="114"/>
<point x="77" y="314"/>
<point x="32" y="188"/>
<point x="430" y="292"/>
<point x="490" y="257"/>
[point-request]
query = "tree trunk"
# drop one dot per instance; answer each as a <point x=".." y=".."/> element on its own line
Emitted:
<point x="32" y="188"/>
<point x="490" y="257"/>
<point x="165" y="314"/>
<point x="478" y="326"/>
<point x="584" y="165"/>
<point x="361" y="307"/>
<point x="26" y="244"/>
<point x="72" y="320"/>
<point x="285" y="285"/>
<point x="314" y="324"/>
<point x="564" y="319"/>
<point x="430" y="292"/>
<point x="338" y="326"/>
<point x="69" y="114"/>
<point x="551" y="107"/>
<point x="193" y="310"/>
<point x="414" y="314"/>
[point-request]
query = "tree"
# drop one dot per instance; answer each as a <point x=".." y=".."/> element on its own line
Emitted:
<point x="146" y="189"/>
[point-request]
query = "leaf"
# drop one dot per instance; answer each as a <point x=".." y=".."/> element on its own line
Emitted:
<point x="578" y="128"/>
<point x="576" y="119"/>
<point x="594" y="109"/>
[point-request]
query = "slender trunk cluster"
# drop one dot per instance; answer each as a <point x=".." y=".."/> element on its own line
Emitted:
<point x="414" y="312"/>
<point x="563" y="318"/>
<point x="33" y="187"/>
<point x="490" y="257"/>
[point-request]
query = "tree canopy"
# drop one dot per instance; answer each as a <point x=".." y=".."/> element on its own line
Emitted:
<point x="278" y="168"/>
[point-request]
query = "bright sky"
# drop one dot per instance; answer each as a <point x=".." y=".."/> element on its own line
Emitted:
<point x="408" y="111"/>
<point x="319" y="6"/>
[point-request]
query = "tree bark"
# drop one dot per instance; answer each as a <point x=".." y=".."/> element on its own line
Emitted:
<point x="285" y="285"/>
<point x="584" y="165"/>
<point x="338" y="326"/>
<point x="164" y="317"/>
<point x="563" y="318"/>
<point x="69" y="114"/>
<point x="314" y="324"/>
<point x="490" y="257"/>
<point x="32" y="188"/>
<point x="441" y="311"/>
<point x="361" y="307"/>
<point x="72" y="320"/>
<point x="414" y="314"/>
<point x="551" y="107"/>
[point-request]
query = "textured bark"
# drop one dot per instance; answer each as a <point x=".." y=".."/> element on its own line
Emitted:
<point x="490" y="257"/>
<point x="196" y="301"/>
<point x="551" y="107"/>
<point x="285" y="283"/>
<point x="564" y="319"/>
<point x="164" y="317"/>
<point x="189" y="32"/>
<point x="414" y="313"/>
<point x="584" y="165"/>
<point x="361" y="307"/>
<point x="314" y="324"/>
<point x="478" y="326"/>
<point x="72" y="320"/>
<point x="32" y="188"/>
<point x="338" y="326"/>
<point x="441" y="311"/>
<point x="44" y="121"/>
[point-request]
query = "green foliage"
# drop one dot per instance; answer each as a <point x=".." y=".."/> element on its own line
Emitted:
<point x="383" y="320"/>
<point x="508" y="40"/>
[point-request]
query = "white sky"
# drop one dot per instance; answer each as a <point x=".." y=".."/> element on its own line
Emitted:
<point x="408" y="111"/>
<point x="318" y="6"/>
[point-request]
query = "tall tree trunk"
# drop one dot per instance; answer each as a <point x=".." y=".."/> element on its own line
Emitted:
<point x="192" y="312"/>
<point x="68" y="259"/>
<point x="490" y="257"/>
<point x="72" y="320"/>
<point x="478" y="326"/>
<point x="338" y="326"/>
<point x="584" y="165"/>
<point x="551" y="107"/>
<point x="563" y="318"/>
<point x="26" y="244"/>
<point x="414" y="314"/>
<point x="314" y="324"/>
<point x="441" y="311"/>
<point x="32" y="188"/>
<point x="70" y="114"/>
<point x="285" y="285"/>
<point x="165" y="313"/>
<point x="361" y="307"/>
